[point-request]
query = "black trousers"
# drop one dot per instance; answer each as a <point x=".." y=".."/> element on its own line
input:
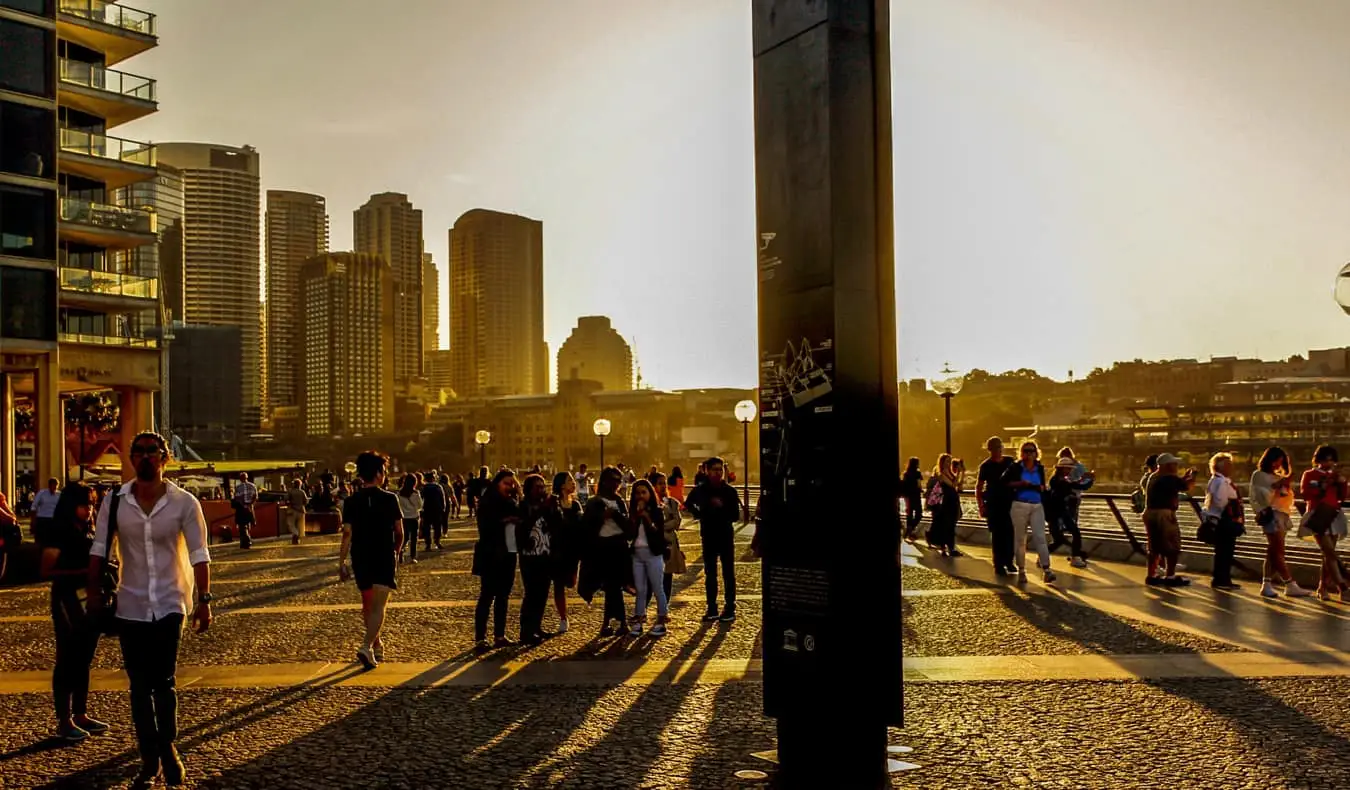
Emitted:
<point x="998" y="518"/>
<point x="245" y="524"/>
<point x="913" y="515"/>
<point x="410" y="527"/>
<point x="535" y="573"/>
<point x="616" y="563"/>
<point x="433" y="526"/>
<point x="76" y="642"/>
<point x="719" y="545"/>
<point x="1225" y="545"/>
<point x="494" y="593"/>
<point x="1067" y="525"/>
<point x="150" y="655"/>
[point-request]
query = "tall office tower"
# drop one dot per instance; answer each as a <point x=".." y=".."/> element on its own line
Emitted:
<point x="297" y="230"/>
<point x="347" y="300"/>
<point x="388" y="226"/>
<point x="497" y="305"/>
<point x="164" y="196"/>
<point x="596" y="352"/>
<point x="77" y="312"/>
<point x="431" y="311"/>
<point x="221" y="264"/>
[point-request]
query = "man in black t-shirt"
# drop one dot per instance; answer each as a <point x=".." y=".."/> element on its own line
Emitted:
<point x="996" y="505"/>
<point x="1162" y="497"/>
<point x="372" y="530"/>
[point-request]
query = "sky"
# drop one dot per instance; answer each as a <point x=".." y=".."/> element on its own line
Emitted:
<point x="1076" y="181"/>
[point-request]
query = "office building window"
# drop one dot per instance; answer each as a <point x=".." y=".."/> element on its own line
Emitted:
<point x="35" y="7"/>
<point x="27" y="303"/>
<point x="27" y="140"/>
<point x="29" y="59"/>
<point x="27" y="222"/>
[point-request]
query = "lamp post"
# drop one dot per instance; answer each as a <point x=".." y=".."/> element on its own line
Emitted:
<point x="948" y="386"/>
<point x="1342" y="291"/>
<point x="601" y="428"/>
<point x="350" y="469"/>
<point x="482" y="439"/>
<point x="745" y="414"/>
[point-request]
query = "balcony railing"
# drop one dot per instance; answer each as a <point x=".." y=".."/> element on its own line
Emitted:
<point x="109" y="283"/>
<point x="111" y="14"/>
<point x="109" y="340"/>
<point x="129" y="220"/>
<point x="92" y="75"/>
<point x="105" y="147"/>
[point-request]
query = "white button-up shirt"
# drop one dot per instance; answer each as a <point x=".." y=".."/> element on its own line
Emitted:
<point x="157" y="552"/>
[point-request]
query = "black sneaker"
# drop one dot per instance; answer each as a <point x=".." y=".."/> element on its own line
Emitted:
<point x="711" y="616"/>
<point x="1154" y="581"/>
<point x="146" y="776"/>
<point x="1230" y="586"/>
<point x="175" y="773"/>
<point x="728" y="615"/>
<point x="954" y="553"/>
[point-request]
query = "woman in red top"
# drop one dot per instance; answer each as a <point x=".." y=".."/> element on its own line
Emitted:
<point x="1324" y="488"/>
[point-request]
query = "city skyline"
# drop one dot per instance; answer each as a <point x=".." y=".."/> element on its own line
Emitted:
<point x="1038" y="156"/>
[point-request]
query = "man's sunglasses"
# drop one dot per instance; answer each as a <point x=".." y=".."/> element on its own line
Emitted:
<point x="146" y="450"/>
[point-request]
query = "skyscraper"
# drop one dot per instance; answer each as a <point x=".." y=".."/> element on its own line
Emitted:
<point x="596" y="352"/>
<point x="431" y="311"/>
<point x="221" y="264"/>
<point x="388" y="226"/>
<point x="348" y="306"/>
<point x="297" y="230"/>
<point x="497" y="305"/>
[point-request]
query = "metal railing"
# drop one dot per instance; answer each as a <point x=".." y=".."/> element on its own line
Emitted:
<point x="109" y="283"/>
<point x="92" y="75"/>
<point x="108" y="340"/>
<point x="111" y="14"/>
<point x="101" y="145"/>
<point x="84" y="212"/>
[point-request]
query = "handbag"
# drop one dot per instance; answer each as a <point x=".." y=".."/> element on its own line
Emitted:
<point x="111" y="577"/>
<point x="1208" y="533"/>
<point x="935" y="495"/>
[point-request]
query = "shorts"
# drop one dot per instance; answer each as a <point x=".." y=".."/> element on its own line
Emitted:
<point x="367" y="577"/>
<point x="1281" y="523"/>
<point x="1164" y="533"/>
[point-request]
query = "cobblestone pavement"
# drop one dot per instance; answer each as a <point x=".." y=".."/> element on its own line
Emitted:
<point x="281" y="605"/>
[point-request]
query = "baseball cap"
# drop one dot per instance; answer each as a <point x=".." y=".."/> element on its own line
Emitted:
<point x="1168" y="458"/>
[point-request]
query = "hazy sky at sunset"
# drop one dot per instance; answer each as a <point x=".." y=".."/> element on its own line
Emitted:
<point x="1118" y="179"/>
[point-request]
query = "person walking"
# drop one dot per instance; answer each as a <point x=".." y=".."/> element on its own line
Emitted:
<point x="1027" y="481"/>
<point x="994" y="500"/>
<point x="478" y="488"/>
<point x="494" y="556"/>
<point x="1061" y="509"/>
<point x="944" y="503"/>
<point x="717" y="506"/>
<point x="458" y="501"/>
<point x="295" y="516"/>
<point x="566" y="543"/>
<point x="1323" y="488"/>
<point x="410" y="506"/>
<point x="534" y="538"/>
<point x="606" y="564"/>
<point x="647" y="542"/>
<point x="44" y="506"/>
<point x="245" y="497"/>
<point x="435" y="511"/>
<point x="676" y="483"/>
<point x="1272" y="494"/>
<point x="372" y="535"/>
<point x="66" y="538"/>
<point x="11" y="536"/>
<point x="1223" y="512"/>
<point x="911" y="493"/>
<point x="1162" y="499"/>
<point x="584" y="485"/>
<point x="162" y="543"/>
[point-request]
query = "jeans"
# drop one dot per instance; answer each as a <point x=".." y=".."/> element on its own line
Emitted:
<point x="410" y="526"/>
<point x="649" y="572"/>
<point x="536" y="573"/>
<point x="1026" y="514"/>
<point x="1067" y="524"/>
<point x="1225" y="545"/>
<point x="998" y="518"/>
<point x="76" y="642"/>
<point x="719" y="544"/>
<point x="494" y="592"/>
<point x="150" y="655"/>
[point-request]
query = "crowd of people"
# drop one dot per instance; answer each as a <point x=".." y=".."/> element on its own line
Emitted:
<point x="1017" y="496"/>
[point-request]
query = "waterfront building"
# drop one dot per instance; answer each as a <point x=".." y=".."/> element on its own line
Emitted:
<point x="388" y="226"/>
<point x="597" y="352"/>
<point x="297" y="230"/>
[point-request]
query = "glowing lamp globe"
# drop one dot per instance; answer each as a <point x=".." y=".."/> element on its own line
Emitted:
<point x="601" y="427"/>
<point x="482" y="438"/>
<point x="746" y="411"/>
<point x="948" y="381"/>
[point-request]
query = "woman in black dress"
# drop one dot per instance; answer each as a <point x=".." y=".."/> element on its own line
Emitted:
<point x="65" y="545"/>
<point x="567" y="543"/>
<point x="494" y="556"/>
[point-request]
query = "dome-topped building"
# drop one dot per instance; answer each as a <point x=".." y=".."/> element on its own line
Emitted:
<point x="596" y="352"/>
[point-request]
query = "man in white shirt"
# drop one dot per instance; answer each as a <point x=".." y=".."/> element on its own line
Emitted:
<point x="44" y="507"/>
<point x="161" y="541"/>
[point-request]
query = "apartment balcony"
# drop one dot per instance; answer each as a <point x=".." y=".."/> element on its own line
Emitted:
<point x="109" y="341"/>
<point x="115" y="96"/>
<point x="113" y="161"/>
<point x="118" y="31"/>
<point x="109" y="227"/>
<point x="112" y="291"/>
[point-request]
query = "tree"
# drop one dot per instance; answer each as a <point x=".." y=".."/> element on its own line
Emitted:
<point x="90" y="412"/>
<point x="24" y="420"/>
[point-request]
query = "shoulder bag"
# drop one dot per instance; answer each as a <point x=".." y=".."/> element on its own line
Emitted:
<point x="111" y="577"/>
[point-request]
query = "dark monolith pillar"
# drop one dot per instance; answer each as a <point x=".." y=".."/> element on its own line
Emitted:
<point x="829" y="432"/>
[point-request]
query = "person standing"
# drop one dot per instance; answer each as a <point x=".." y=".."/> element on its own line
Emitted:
<point x="295" y="516"/>
<point x="994" y="500"/>
<point x="245" y="496"/>
<point x="910" y="492"/>
<point x="566" y="544"/>
<point x="606" y="563"/>
<point x="1060" y="513"/>
<point x="717" y="506"/>
<point x="478" y="488"/>
<point x="648" y="546"/>
<point x="675" y="563"/>
<point x="677" y="484"/>
<point x="458" y="488"/>
<point x="1162" y="499"/>
<point x="44" y="506"/>
<point x="534" y="538"/>
<point x="584" y="484"/>
<point x="161" y="540"/>
<point x="10" y="534"/>
<point x="1027" y="482"/>
<point x="1324" y="489"/>
<point x="494" y="556"/>
<point x="65" y="539"/>
<point x="372" y="535"/>
<point x="1223" y="508"/>
<point x="435" y="511"/>
<point x="410" y="506"/>
<point x="1272" y="494"/>
<point x="944" y="500"/>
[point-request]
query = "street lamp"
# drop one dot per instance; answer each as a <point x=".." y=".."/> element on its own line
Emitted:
<point x="601" y="428"/>
<point x="1342" y="291"/>
<point x="745" y="414"/>
<point x="350" y="469"/>
<point x="948" y="386"/>
<point x="482" y="439"/>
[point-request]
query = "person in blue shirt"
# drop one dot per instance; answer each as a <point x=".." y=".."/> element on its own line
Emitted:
<point x="44" y="506"/>
<point x="1027" y="483"/>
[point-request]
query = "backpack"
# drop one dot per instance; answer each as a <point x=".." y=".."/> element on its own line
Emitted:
<point x="1139" y="499"/>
